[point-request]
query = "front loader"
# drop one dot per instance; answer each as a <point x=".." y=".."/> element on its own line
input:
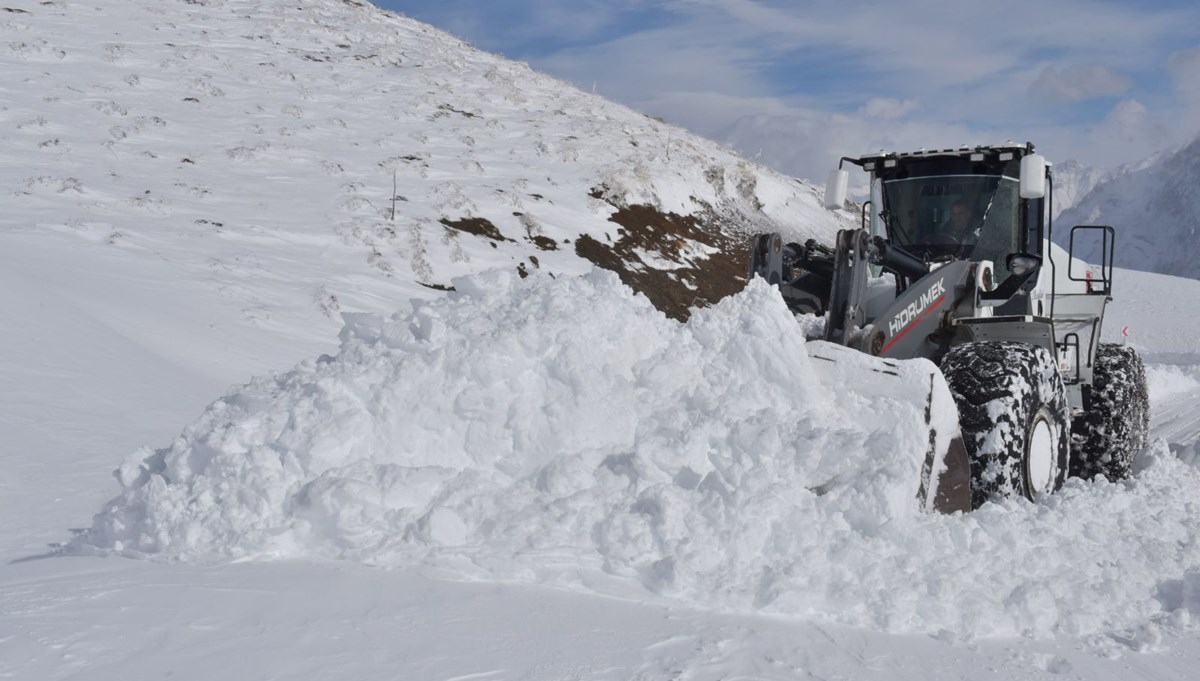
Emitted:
<point x="955" y="263"/>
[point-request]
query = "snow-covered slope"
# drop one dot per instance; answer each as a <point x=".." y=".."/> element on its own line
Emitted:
<point x="1073" y="181"/>
<point x="205" y="133"/>
<point x="195" y="192"/>
<point x="1155" y="209"/>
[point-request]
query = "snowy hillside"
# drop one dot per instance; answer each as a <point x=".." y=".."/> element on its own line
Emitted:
<point x="198" y="133"/>
<point x="1155" y="210"/>
<point x="535" y="475"/>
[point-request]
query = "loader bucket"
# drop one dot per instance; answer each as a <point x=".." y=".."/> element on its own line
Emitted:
<point x="950" y="479"/>
<point x="954" y="483"/>
<point x="945" y="473"/>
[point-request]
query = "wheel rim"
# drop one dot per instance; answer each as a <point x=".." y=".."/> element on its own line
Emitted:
<point x="1042" y="453"/>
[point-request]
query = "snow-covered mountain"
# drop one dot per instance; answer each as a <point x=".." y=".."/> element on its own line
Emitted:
<point x="1073" y="181"/>
<point x="1155" y="209"/>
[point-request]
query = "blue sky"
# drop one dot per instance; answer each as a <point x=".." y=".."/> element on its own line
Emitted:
<point x="799" y="84"/>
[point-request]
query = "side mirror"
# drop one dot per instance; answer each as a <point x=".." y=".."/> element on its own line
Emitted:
<point x="1033" y="176"/>
<point x="1022" y="263"/>
<point x="1023" y="266"/>
<point x="835" y="189"/>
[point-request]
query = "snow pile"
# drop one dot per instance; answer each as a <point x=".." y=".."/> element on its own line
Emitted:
<point x="560" y="430"/>
<point x="1168" y="380"/>
<point x="517" y="416"/>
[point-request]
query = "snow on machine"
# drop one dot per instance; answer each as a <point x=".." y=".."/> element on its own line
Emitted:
<point x="955" y="263"/>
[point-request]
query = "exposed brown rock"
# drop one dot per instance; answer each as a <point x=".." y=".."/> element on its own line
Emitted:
<point x="703" y="278"/>
<point x="477" y="226"/>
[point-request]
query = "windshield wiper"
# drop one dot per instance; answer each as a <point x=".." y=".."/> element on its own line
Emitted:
<point x="894" y="226"/>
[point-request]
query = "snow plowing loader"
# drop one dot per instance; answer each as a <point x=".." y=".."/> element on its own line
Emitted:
<point x="955" y="263"/>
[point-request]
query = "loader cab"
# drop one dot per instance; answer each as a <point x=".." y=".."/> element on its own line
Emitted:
<point x="961" y="204"/>
<point x="958" y="206"/>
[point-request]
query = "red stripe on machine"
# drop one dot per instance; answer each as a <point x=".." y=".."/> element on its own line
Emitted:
<point x="923" y="315"/>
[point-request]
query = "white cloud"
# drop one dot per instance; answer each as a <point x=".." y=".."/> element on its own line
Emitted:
<point x="579" y="19"/>
<point x="934" y="44"/>
<point x="1186" y="62"/>
<point x="1132" y="127"/>
<point x="661" y="72"/>
<point x="1077" y="82"/>
<point x="808" y="143"/>
<point x="1128" y="115"/>
<point x="887" y="107"/>
<point x="1129" y="132"/>
<point x="523" y="25"/>
<point x="805" y="83"/>
<point x="1185" y="68"/>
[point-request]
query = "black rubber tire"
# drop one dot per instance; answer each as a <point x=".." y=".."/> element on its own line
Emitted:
<point x="1115" y="423"/>
<point x="1005" y="391"/>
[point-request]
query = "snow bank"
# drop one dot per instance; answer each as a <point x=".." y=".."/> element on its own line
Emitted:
<point x="1169" y="380"/>
<point x="565" y="432"/>
<point x="519" y="415"/>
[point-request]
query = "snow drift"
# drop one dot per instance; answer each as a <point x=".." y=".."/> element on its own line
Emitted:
<point x="559" y="431"/>
<point x="517" y="416"/>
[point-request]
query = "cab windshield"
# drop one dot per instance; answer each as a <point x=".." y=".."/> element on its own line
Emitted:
<point x="961" y="216"/>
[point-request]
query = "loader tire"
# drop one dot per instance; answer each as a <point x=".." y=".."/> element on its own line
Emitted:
<point x="1015" y="420"/>
<point x="1116" y="418"/>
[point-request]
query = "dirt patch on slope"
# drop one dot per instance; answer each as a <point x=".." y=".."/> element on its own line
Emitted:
<point x="477" y="226"/>
<point x="677" y="261"/>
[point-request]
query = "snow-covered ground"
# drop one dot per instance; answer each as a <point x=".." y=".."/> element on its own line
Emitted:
<point x="1163" y="328"/>
<point x="528" y="478"/>
<point x="767" y="579"/>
